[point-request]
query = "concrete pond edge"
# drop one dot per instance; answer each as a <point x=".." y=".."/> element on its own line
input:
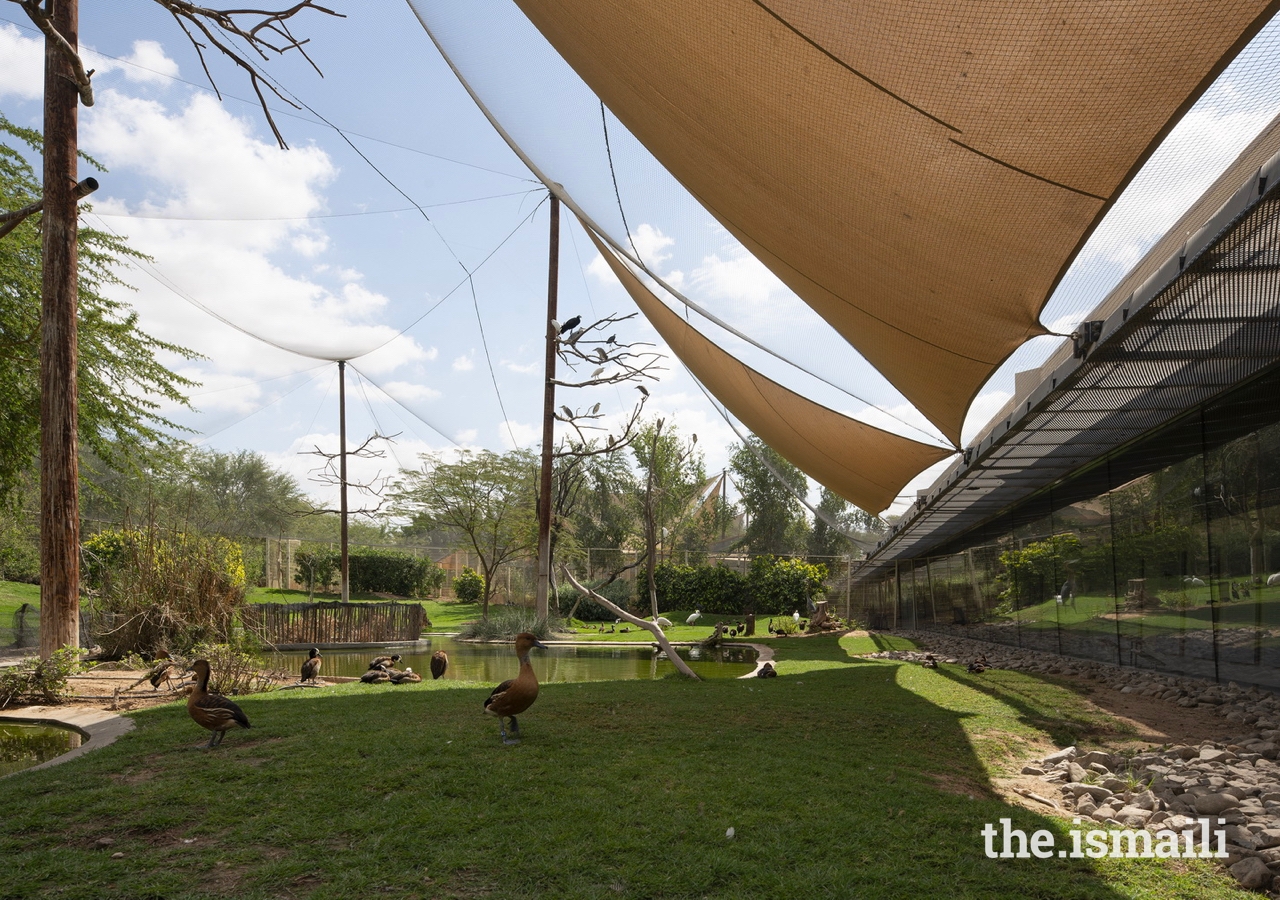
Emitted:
<point x="98" y="728"/>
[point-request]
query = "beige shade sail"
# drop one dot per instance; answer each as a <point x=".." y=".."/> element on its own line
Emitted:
<point x="920" y="172"/>
<point x="864" y="464"/>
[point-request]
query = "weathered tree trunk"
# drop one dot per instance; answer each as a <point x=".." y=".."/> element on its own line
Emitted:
<point x="543" y="588"/>
<point x="819" y="615"/>
<point x="652" y="627"/>
<point x="59" y="447"/>
<point x="751" y="624"/>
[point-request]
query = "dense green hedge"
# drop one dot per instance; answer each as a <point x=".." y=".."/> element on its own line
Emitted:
<point x="712" y="589"/>
<point x="773" y="586"/>
<point x="468" y="585"/>
<point x="373" y="571"/>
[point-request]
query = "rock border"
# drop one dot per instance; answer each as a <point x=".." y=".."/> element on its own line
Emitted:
<point x="98" y="727"/>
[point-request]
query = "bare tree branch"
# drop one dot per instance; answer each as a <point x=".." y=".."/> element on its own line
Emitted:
<point x="267" y="33"/>
<point x="329" y="475"/>
<point x="681" y="666"/>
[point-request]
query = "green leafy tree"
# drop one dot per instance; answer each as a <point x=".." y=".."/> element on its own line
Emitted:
<point x="122" y="384"/>
<point x="672" y="473"/>
<point x="486" y="498"/>
<point x="777" y="522"/>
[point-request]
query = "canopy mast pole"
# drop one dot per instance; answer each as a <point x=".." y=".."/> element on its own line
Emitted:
<point x="542" y="603"/>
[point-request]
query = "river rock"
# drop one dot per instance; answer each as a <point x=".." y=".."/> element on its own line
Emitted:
<point x="1252" y="873"/>
<point x="1212" y="804"/>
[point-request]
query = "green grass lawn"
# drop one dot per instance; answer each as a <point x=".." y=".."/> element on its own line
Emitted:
<point x="843" y="778"/>
<point x="12" y="595"/>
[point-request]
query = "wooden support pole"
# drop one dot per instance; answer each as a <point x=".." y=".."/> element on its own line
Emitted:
<point x="543" y="590"/>
<point x="59" y="402"/>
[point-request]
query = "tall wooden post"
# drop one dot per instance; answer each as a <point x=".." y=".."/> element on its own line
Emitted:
<point x="543" y="605"/>
<point x="59" y="464"/>
<point x="342" y="477"/>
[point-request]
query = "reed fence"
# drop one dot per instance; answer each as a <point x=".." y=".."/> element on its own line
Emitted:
<point x="335" y="622"/>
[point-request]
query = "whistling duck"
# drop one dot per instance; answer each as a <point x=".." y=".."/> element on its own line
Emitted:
<point x="767" y="671"/>
<point x="697" y="614"/>
<point x="439" y="664"/>
<point x="388" y="662"/>
<point x="311" y="667"/>
<point x="979" y="665"/>
<point x="408" y="676"/>
<point x="212" y="711"/>
<point x="929" y="661"/>
<point x="376" y="676"/>
<point x="515" y="695"/>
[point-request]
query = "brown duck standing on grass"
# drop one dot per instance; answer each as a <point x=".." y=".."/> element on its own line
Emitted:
<point x="311" y="667"/>
<point x="515" y="695"/>
<point x="439" y="664"/>
<point x="212" y="711"/>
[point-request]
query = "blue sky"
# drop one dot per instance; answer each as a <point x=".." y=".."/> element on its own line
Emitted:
<point x="316" y="251"/>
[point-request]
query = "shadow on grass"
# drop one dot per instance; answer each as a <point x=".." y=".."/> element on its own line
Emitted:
<point x="837" y="782"/>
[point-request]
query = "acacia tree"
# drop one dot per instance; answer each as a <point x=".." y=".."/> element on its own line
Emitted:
<point x="122" y="383"/>
<point x="769" y="485"/>
<point x="487" y="498"/>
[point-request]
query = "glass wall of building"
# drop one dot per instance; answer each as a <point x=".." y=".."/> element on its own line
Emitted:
<point x="1175" y="570"/>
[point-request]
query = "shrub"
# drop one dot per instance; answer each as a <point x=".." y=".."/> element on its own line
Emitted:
<point x="508" y="621"/>
<point x="156" y="590"/>
<point x="779" y="585"/>
<point x="712" y="589"/>
<point x="33" y="681"/>
<point x="234" y="670"/>
<point x="393" y="572"/>
<point x="469" y="585"/>
<point x="317" y="568"/>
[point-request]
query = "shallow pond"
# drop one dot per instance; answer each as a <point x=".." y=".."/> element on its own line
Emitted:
<point x="496" y="662"/>
<point x="23" y="746"/>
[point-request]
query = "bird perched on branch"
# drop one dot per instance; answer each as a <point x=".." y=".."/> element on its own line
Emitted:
<point x="212" y="711"/>
<point x="386" y="662"/>
<point x="642" y="389"/>
<point x="311" y="668"/>
<point x="571" y="324"/>
<point x="515" y="695"/>
<point x="439" y="664"/>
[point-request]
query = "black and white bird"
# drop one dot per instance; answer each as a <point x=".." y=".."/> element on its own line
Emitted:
<point x="642" y="389"/>
<point x="570" y="325"/>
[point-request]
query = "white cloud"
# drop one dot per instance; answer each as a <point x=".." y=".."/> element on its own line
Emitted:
<point x="521" y="369"/>
<point x="21" y="64"/>
<point x="146" y="64"/>
<point x="203" y="163"/>
<point x="409" y="393"/>
<point x="464" y="363"/>
<point x="467" y="436"/>
<point x="430" y="354"/>
<point x="649" y="242"/>
<point x="525" y="435"/>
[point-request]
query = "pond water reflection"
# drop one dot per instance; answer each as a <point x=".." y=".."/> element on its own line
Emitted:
<point x="23" y="746"/>
<point x="496" y="662"/>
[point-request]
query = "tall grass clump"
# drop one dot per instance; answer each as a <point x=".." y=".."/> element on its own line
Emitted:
<point x="157" y="589"/>
<point x="508" y="621"/>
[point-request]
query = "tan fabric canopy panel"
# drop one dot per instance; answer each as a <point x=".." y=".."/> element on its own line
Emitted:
<point x="862" y="463"/>
<point x="920" y="173"/>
